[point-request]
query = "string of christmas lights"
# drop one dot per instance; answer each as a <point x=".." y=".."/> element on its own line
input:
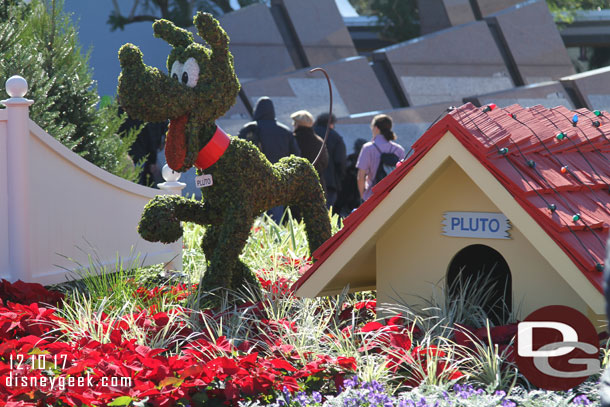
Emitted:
<point x="552" y="207"/>
<point x="576" y="217"/>
<point x="585" y="134"/>
<point x="561" y="136"/>
<point x="563" y="168"/>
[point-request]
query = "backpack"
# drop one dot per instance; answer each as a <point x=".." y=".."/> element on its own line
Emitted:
<point x="387" y="163"/>
<point x="253" y="136"/>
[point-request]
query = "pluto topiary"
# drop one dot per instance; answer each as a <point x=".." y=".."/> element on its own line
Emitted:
<point x="240" y="182"/>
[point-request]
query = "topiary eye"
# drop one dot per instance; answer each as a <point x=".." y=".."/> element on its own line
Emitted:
<point x="191" y="70"/>
<point x="177" y="68"/>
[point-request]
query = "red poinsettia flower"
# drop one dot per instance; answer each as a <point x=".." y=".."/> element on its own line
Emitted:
<point x="28" y="293"/>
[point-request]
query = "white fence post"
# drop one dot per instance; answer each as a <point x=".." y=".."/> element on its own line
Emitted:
<point x="171" y="183"/>
<point x="17" y="109"/>
<point x="174" y="187"/>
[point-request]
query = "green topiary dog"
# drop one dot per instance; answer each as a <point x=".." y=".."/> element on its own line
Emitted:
<point x="200" y="88"/>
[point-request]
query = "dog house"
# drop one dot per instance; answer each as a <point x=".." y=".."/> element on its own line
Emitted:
<point x="522" y="194"/>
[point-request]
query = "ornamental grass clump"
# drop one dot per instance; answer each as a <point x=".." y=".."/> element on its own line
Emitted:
<point x="469" y="302"/>
<point x="81" y="317"/>
<point x="127" y="283"/>
<point x="487" y="363"/>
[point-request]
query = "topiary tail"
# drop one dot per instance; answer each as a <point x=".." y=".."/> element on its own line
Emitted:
<point x="317" y="223"/>
<point x="310" y="203"/>
<point x="330" y="111"/>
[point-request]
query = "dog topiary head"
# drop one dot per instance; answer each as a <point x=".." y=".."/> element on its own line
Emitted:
<point x="200" y="87"/>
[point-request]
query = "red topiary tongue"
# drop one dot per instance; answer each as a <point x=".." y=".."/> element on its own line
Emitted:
<point x="175" y="143"/>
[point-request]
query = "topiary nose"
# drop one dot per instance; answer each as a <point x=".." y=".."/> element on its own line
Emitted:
<point x="130" y="56"/>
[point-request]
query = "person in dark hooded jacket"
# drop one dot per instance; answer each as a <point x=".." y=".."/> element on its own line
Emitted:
<point x="349" y="196"/>
<point x="337" y="160"/>
<point x="273" y="138"/>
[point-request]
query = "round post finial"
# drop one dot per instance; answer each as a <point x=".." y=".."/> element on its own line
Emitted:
<point x="171" y="183"/>
<point x="16" y="86"/>
<point x="169" y="175"/>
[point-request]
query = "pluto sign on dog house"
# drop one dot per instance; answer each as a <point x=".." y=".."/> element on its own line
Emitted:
<point x="521" y="193"/>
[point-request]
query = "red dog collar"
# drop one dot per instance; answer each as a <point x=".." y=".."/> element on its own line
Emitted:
<point x="213" y="150"/>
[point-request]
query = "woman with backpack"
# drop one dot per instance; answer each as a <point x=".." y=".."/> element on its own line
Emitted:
<point x="379" y="156"/>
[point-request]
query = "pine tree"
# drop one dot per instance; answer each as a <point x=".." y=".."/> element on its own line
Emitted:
<point x="39" y="42"/>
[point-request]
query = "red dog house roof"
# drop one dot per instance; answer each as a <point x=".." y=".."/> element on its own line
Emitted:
<point x="554" y="162"/>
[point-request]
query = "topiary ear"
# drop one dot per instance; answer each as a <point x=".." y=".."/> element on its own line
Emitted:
<point x="210" y="30"/>
<point x="174" y="36"/>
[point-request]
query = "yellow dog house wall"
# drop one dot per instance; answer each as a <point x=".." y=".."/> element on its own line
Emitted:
<point x="544" y="170"/>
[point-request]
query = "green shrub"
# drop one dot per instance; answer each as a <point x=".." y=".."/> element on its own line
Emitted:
<point x="39" y="42"/>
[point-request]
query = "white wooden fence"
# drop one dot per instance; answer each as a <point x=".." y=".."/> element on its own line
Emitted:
<point x="53" y="203"/>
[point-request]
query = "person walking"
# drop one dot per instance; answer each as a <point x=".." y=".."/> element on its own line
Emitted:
<point x="349" y="196"/>
<point x="274" y="139"/>
<point x="371" y="154"/>
<point x="310" y="143"/>
<point x="145" y="148"/>
<point x="337" y="160"/>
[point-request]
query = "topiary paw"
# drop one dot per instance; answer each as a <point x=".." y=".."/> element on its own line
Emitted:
<point x="159" y="222"/>
<point x="130" y="57"/>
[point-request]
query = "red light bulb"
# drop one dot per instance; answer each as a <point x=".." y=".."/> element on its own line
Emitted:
<point x="489" y="107"/>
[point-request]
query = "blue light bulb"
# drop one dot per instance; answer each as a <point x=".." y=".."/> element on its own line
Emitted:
<point x="575" y="119"/>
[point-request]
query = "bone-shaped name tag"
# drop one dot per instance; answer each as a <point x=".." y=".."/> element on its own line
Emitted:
<point x="204" y="180"/>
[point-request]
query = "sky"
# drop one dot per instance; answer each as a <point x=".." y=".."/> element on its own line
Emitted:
<point x="95" y="36"/>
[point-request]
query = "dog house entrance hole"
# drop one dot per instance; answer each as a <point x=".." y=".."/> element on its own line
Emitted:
<point x="477" y="269"/>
